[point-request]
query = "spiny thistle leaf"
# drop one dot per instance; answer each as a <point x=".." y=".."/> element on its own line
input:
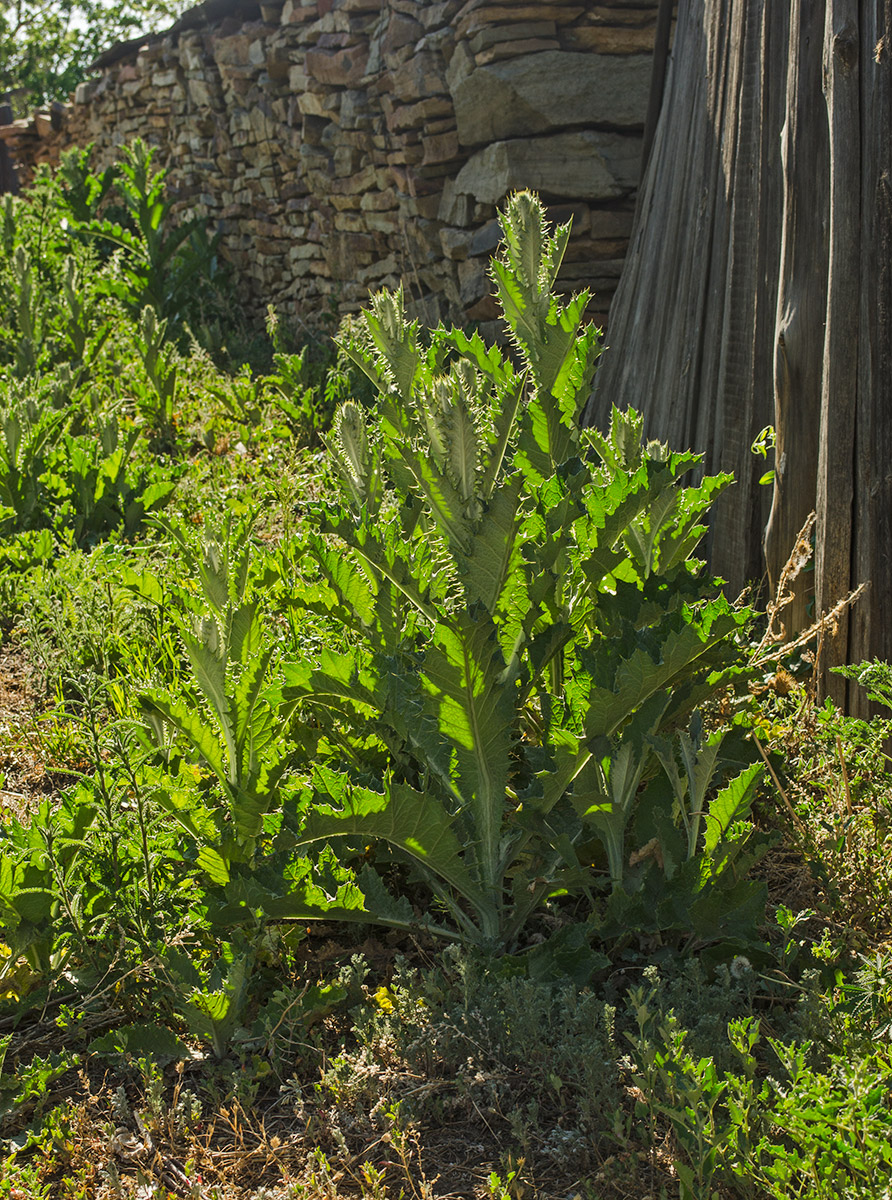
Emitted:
<point x="395" y="339"/>
<point x="354" y="457"/>
<point x="463" y="445"/>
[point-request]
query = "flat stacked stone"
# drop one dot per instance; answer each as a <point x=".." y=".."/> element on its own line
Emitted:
<point x="341" y="146"/>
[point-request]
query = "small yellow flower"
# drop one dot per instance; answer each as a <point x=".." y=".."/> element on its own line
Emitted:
<point x="384" y="999"/>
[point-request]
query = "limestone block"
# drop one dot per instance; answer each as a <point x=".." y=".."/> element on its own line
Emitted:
<point x="347" y="160"/>
<point x="192" y="53"/>
<point x="303" y="250"/>
<point x="355" y="109"/>
<point x="379" y="201"/>
<point x="359" y="139"/>
<point x="279" y="61"/>
<point x="232" y="49"/>
<point x="486" y="309"/>
<point x="486" y="238"/>
<point x="642" y="13"/>
<point x="349" y="222"/>
<point x="401" y="31"/>
<point x="148" y="54"/>
<point x="441" y="149"/>
<point x="435" y="16"/>
<point x="461" y="64"/>
<point x="336" y="37"/>
<point x="551" y="90"/>
<point x="473" y="280"/>
<point x="383" y="222"/>
<point x="423" y="238"/>
<point x="316" y="104"/>
<point x="613" y="39"/>
<point x="407" y="156"/>
<point x="444" y="125"/>
<point x="340" y="68"/>
<point x="582" y="271"/>
<point x="491" y="15"/>
<point x="238" y="78"/>
<point x="378" y="270"/>
<point x="455" y="207"/>
<point x="584" y="165"/>
<point x="86" y="91"/>
<point x="610" y="223"/>
<point x="354" y="185"/>
<point x="455" y="243"/>
<point x="427" y="206"/>
<point x="419" y="76"/>
<point x="503" y="50"/>
<point x="269" y="245"/>
<point x="200" y="93"/>
<point x="296" y="12"/>
<point x="257" y="52"/>
<point x="297" y="77"/>
<point x="344" y="252"/>
<point x="514" y="32"/>
<point x="416" y="116"/>
<point x="345" y="203"/>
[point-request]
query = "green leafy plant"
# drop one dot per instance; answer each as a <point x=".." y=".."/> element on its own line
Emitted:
<point x="43" y="904"/>
<point x="234" y="728"/>
<point x="29" y="432"/>
<point x="84" y="334"/>
<point x="211" y="1002"/>
<point x="307" y="406"/>
<point x="27" y="1085"/>
<point x="526" y="611"/>
<point x="83" y="191"/>
<point x="765" y="441"/>
<point x="162" y="263"/>
<point x="156" y="402"/>
<point x="695" y="843"/>
<point x="689" y="1091"/>
<point x="27" y="313"/>
<point x="93" y="490"/>
<point x="830" y="1131"/>
<point x="225" y="791"/>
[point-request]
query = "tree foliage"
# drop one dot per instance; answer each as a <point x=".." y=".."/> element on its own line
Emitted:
<point x="46" y="46"/>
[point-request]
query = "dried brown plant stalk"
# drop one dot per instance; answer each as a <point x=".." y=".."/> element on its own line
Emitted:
<point x="799" y="558"/>
<point x="772" y="647"/>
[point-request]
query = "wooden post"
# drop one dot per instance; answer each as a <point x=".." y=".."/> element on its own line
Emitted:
<point x="801" y="306"/>
<point x="839" y="396"/>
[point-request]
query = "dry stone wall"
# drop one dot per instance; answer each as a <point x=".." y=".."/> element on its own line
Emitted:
<point x="347" y="145"/>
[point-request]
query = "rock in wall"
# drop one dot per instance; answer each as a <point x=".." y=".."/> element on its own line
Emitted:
<point x="341" y="146"/>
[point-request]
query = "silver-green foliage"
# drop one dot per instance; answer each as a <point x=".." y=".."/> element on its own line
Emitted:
<point x="527" y="614"/>
<point x="229" y="721"/>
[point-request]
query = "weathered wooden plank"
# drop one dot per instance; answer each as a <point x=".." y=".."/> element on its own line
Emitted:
<point x="833" y="550"/>
<point x="696" y="285"/>
<point x="870" y="624"/>
<point x="801" y="305"/>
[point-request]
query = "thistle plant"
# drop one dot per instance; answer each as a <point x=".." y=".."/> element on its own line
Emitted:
<point x="526" y="612"/>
